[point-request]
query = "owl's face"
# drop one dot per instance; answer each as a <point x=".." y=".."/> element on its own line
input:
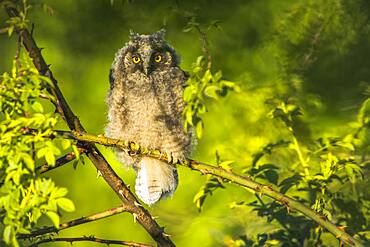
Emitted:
<point x="147" y="54"/>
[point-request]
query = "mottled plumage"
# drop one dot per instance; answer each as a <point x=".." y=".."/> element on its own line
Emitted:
<point x="145" y="104"/>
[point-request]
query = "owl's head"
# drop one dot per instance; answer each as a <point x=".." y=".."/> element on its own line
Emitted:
<point x="146" y="54"/>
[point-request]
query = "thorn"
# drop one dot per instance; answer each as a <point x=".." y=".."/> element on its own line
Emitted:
<point x="121" y="192"/>
<point x="99" y="174"/>
<point x="135" y="217"/>
<point x="166" y="234"/>
<point x="155" y="217"/>
<point x="137" y="204"/>
<point x="288" y="209"/>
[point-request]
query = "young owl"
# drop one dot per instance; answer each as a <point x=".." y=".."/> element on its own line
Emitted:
<point x="145" y="104"/>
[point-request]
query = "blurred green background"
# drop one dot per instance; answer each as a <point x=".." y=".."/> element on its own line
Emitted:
<point x="317" y="52"/>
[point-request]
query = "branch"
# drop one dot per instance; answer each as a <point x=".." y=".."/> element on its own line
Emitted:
<point x="205" y="45"/>
<point x="91" y="239"/>
<point x="76" y="222"/>
<point x="62" y="107"/>
<point x="244" y="181"/>
<point x="60" y="161"/>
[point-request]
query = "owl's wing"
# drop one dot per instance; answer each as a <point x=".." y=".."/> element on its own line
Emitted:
<point x="111" y="79"/>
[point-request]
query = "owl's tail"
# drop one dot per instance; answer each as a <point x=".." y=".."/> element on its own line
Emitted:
<point x="155" y="180"/>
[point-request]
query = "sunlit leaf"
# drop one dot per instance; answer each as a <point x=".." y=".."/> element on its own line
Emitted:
<point x="54" y="217"/>
<point x="66" y="204"/>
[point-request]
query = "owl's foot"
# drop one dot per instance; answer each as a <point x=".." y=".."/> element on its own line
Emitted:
<point x="176" y="157"/>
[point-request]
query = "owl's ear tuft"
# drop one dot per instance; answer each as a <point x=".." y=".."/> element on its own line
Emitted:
<point x="133" y="35"/>
<point x="160" y="34"/>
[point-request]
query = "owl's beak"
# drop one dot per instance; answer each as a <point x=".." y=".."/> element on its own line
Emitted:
<point x="146" y="54"/>
<point x="146" y="70"/>
<point x="146" y="66"/>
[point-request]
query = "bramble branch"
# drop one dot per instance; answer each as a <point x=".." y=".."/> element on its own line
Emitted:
<point x="115" y="182"/>
<point x="60" y="161"/>
<point x="76" y="222"/>
<point x="291" y="204"/>
<point x="90" y="239"/>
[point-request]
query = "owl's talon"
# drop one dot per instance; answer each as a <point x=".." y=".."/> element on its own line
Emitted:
<point x="169" y="157"/>
<point x="174" y="160"/>
<point x="184" y="161"/>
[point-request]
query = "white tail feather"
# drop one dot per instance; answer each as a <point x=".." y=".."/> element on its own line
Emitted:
<point x="155" y="180"/>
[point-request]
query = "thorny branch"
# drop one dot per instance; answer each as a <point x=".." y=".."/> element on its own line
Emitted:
<point x="78" y="133"/>
<point x="115" y="182"/>
<point x="60" y="161"/>
<point x="90" y="239"/>
<point x="76" y="222"/>
<point x="291" y="204"/>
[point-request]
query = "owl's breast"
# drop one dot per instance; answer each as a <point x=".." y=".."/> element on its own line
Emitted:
<point x="154" y="111"/>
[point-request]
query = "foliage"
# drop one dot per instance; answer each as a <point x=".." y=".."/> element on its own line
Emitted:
<point x="299" y="121"/>
<point x="24" y="195"/>
<point x="202" y="84"/>
<point x="329" y="173"/>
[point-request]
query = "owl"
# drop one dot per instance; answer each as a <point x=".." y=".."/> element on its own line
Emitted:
<point x="145" y="104"/>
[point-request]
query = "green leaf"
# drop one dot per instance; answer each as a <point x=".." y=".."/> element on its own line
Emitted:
<point x="76" y="152"/>
<point x="188" y="93"/>
<point x="199" y="199"/>
<point x="211" y="91"/>
<point x="66" y="143"/>
<point x="363" y="115"/>
<point x="207" y="77"/>
<point x="60" y="192"/>
<point x="29" y="161"/>
<point x="37" y="107"/>
<point x="66" y="204"/>
<point x="41" y="152"/>
<point x="10" y="30"/>
<point x="189" y="117"/>
<point x="54" y="217"/>
<point x="8" y="231"/>
<point x="199" y="129"/>
<point x="188" y="29"/>
<point x="49" y="157"/>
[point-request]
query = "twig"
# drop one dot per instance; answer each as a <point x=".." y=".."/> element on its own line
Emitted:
<point x="292" y="204"/>
<point x="205" y="45"/>
<point x="4" y="30"/>
<point x="302" y="160"/>
<point x="76" y="222"/>
<point x="60" y="161"/>
<point x="91" y="239"/>
<point x="115" y="182"/>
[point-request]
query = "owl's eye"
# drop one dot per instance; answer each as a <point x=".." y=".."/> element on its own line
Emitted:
<point x="158" y="58"/>
<point x="136" y="59"/>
